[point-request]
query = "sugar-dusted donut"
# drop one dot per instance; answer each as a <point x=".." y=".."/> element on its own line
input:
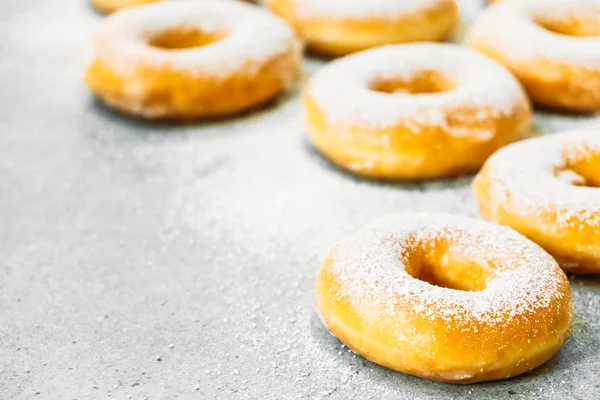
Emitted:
<point x="548" y="189"/>
<point x="338" y="27"/>
<point x="552" y="46"/>
<point x="446" y="298"/>
<point x="414" y="111"/>
<point x="192" y="59"/>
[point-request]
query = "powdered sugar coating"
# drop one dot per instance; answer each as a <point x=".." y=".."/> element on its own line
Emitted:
<point x="371" y="269"/>
<point x="536" y="175"/>
<point x="360" y="9"/>
<point x="509" y="28"/>
<point x="341" y="89"/>
<point x="252" y="35"/>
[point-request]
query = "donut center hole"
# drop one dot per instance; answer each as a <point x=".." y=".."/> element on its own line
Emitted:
<point x="571" y="177"/>
<point x="183" y="37"/>
<point x="425" y="82"/>
<point x="451" y="271"/>
<point x="580" y="25"/>
<point x="581" y="165"/>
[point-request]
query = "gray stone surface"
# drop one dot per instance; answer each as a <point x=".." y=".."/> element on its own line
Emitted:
<point x="178" y="261"/>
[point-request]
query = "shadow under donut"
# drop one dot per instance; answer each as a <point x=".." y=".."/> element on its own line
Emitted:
<point x="460" y="181"/>
<point x="168" y="125"/>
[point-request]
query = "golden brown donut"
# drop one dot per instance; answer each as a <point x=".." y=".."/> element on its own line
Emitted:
<point x="338" y="27"/>
<point x="192" y="59"/>
<point x="413" y="111"/>
<point x="550" y="45"/>
<point x="548" y="189"/>
<point x="446" y="298"/>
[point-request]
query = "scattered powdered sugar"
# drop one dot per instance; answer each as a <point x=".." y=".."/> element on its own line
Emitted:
<point x="528" y="171"/>
<point x="510" y="28"/>
<point x="341" y="88"/>
<point x="252" y="35"/>
<point x="361" y="9"/>
<point x="371" y="270"/>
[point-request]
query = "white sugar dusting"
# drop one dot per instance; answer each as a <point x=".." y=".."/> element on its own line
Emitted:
<point x="528" y="170"/>
<point x="370" y="268"/>
<point x="341" y="89"/>
<point x="510" y="28"/>
<point x="362" y="9"/>
<point x="252" y="35"/>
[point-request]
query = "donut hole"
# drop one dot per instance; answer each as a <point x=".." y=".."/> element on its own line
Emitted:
<point x="569" y="176"/>
<point x="581" y="165"/>
<point x="425" y="82"/>
<point x="580" y="25"/>
<point x="449" y="270"/>
<point x="183" y="37"/>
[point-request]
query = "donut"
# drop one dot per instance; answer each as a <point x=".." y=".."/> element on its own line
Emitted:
<point x="550" y="45"/>
<point x="445" y="298"/>
<point x="548" y="189"/>
<point x="109" y="6"/>
<point x="413" y="111"/>
<point x="339" y="27"/>
<point x="192" y="59"/>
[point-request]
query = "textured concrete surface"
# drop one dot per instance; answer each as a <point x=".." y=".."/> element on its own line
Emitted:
<point x="159" y="262"/>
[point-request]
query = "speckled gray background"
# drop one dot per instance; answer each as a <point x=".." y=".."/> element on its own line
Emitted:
<point x="122" y="242"/>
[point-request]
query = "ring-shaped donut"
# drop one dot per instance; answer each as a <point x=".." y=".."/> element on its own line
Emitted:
<point x="548" y="189"/>
<point x="414" y="111"/>
<point x="338" y="27"/>
<point x="446" y="298"/>
<point x="192" y="59"/>
<point x="550" y="45"/>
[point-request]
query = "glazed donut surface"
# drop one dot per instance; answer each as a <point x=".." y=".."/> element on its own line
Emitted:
<point x="446" y="298"/>
<point x="192" y="59"/>
<point x="550" y="45"/>
<point x="413" y="111"/>
<point x="338" y="27"/>
<point x="548" y="189"/>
